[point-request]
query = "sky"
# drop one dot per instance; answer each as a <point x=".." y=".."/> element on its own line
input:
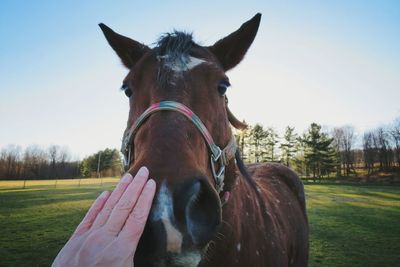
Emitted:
<point x="331" y="62"/>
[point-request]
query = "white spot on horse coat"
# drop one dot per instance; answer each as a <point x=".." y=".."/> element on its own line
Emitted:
<point x="163" y="211"/>
<point x="238" y="247"/>
<point x="191" y="62"/>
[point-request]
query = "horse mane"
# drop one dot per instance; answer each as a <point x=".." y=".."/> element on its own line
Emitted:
<point x="243" y="170"/>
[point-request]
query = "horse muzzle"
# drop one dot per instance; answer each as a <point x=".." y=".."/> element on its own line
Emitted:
<point x="183" y="220"/>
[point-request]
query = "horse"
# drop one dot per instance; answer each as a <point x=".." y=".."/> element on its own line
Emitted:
<point x="209" y="209"/>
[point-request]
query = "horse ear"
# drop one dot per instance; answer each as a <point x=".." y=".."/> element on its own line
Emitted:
<point x="231" y="49"/>
<point x="127" y="49"/>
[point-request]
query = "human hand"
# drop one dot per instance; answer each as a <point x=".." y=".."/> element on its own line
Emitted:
<point x="109" y="233"/>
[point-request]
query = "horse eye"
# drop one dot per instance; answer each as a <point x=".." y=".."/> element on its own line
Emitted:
<point x="127" y="90"/>
<point x="222" y="87"/>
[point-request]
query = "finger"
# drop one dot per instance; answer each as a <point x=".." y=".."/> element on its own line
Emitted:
<point x="134" y="226"/>
<point x="91" y="215"/>
<point x="101" y="219"/>
<point x="126" y="203"/>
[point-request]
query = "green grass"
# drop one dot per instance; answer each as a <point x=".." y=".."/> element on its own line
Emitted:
<point x="349" y="225"/>
<point x="36" y="222"/>
<point x="354" y="225"/>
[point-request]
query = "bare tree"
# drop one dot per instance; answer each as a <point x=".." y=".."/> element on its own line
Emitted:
<point x="344" y="139"/>
<point x="349" y="139"/>
<point x="337" y="143"/>
<point x="395" y="134"/>
<point x="53" y="152"/>
<point x="10" y="160"/>
<point x="63" y="158"/>
<point x="369" y="151"/>
<point x="35" y="163"/>
<point x="381" y="144"/>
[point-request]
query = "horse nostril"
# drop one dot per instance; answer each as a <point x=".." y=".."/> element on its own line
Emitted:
<point x="202" y="212"/>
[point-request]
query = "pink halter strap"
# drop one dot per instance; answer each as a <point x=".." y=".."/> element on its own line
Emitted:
<point x="223" y="156"/>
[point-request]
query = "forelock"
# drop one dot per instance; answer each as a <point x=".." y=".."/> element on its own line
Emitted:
<point x="173" y="52"/>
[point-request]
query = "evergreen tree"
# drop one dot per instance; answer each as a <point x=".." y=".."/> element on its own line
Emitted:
<point x="258" y="142"/>
<point x="243" y="138"/>
<point x="287" y="147"/>
<point x="320" y="156"/>
<point x="299" y="158"/>
<point x="271" y="142"/>
<point x="107" y="161"/>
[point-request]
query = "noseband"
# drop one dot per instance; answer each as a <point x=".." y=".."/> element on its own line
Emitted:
<point x="216" y="154"/>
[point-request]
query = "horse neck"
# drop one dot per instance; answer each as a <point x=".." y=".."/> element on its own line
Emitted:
<point x="245" y="205"/>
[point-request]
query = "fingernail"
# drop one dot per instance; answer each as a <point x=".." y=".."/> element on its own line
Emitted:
<point x="150" y="184"/>
<point x="127" y="178"/>
<point x="143" y="171"/>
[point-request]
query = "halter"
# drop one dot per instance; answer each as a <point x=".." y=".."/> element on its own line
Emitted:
<point x="217" y="155"/>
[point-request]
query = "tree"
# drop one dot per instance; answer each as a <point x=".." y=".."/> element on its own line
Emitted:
<point x="53" y="152"/>
<point x="108" y="162"/>
<point x="299" y="157"/>
<point x="349" y="139"/>
<point x="271" y="142"/>
<point x="243" y="138"/>
<point x="258" y="142"/>
<point x="337" y="143"/>
<point x="343" y="142"/>
<point x="369" y="151"/>
<point x="320" y="156"/>
<point x="35" y="163"/>
<point x="395" y="134"/>
<point x="10" y="162"/>
<point x="288" y="146"/>
<point x="381" y="144"/>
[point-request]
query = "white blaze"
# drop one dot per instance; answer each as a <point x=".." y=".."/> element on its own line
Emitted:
<point x="191" y="63"/>
<point x="163" y="211"/>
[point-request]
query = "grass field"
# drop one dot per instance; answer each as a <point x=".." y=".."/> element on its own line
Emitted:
<point x="350" y="225"/>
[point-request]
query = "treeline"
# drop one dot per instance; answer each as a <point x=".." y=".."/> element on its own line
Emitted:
<point x="37" y="163"/>
<point x="54" y="162"/>
<point x="317" y="153"/>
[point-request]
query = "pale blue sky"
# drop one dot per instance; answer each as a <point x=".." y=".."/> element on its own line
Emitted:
<point x="331" y="62"/>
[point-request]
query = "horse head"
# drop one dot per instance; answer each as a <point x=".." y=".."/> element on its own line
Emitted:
<point x="178" y="126"/>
